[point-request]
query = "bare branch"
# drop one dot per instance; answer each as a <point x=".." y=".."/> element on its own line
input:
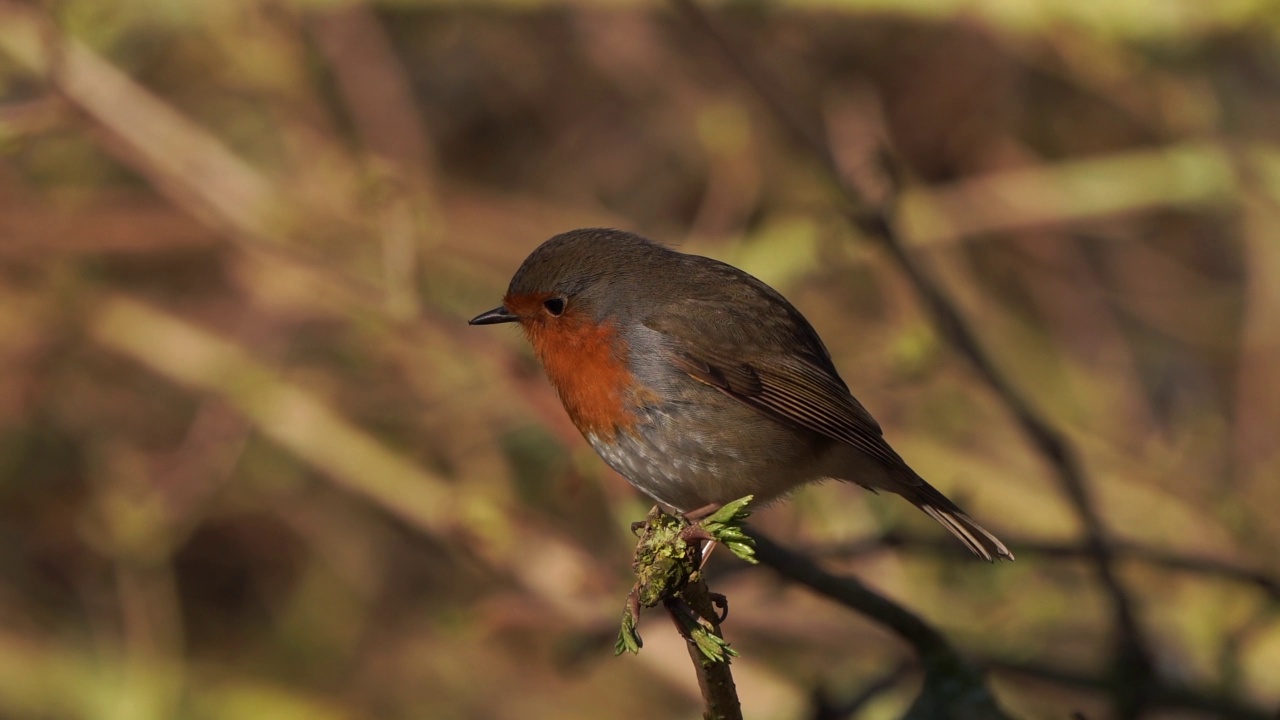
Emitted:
<point x="953" y="687"/>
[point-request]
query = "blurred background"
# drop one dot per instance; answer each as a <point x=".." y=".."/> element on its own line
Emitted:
<point x="254" y="464"/>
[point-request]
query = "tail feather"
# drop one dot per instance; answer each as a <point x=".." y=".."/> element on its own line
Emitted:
<point x="974" y="536"/>
<point x="855" y="465"/>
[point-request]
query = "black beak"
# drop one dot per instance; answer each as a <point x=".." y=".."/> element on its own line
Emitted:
<point x="493" y="317"/>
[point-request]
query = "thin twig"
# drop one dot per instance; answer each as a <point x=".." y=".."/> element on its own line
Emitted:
<point x="1127" y="551"/>
<point x="1133" y="658"/>
<point x="715" y="679"/>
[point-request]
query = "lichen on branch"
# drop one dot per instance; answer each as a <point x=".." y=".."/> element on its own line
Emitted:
<point x="668" y="563"/>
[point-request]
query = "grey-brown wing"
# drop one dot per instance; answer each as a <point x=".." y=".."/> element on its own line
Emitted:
<point x="789" y="375"/>
<point x="797" y="393"/>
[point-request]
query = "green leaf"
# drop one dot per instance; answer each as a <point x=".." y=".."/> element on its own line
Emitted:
<point x="746" y="551"/>
<point x="731" y="512"/>
<point x="712" y="646"/>
<point x="628" y="637"/>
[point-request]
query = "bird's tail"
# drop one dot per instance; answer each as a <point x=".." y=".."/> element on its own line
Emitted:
<point x="974" y="536"/>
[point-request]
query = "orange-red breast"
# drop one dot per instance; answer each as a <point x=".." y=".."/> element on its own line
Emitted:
<point x="699" y="383"/>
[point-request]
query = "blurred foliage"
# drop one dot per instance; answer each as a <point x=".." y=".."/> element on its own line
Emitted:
<point x="253" y="464"/>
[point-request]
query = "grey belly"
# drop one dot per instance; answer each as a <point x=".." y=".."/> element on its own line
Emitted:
<point x="685" y="463"/>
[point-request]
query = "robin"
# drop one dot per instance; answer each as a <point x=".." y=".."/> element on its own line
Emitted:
<point x="699" y="383"/>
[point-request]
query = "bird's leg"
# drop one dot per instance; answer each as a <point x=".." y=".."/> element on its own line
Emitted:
<point x="695" y="533"/>
<point x="693" y="516"/>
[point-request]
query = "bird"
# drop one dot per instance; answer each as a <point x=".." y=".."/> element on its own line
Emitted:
<point x="699" y="383"/>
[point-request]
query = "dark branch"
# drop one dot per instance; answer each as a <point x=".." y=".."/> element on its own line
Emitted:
<point x="827" y="709"/>
<point x="953" y="687"/>
<point x="1160" y="694"/>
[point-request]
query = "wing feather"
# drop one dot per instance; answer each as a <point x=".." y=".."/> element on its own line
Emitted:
<point x="795" y="391"/>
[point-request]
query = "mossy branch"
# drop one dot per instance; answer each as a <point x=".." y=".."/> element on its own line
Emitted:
<point x="668" y="569"/>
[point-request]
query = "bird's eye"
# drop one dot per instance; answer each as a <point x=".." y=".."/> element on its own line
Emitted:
<point x="555" y="306"/>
